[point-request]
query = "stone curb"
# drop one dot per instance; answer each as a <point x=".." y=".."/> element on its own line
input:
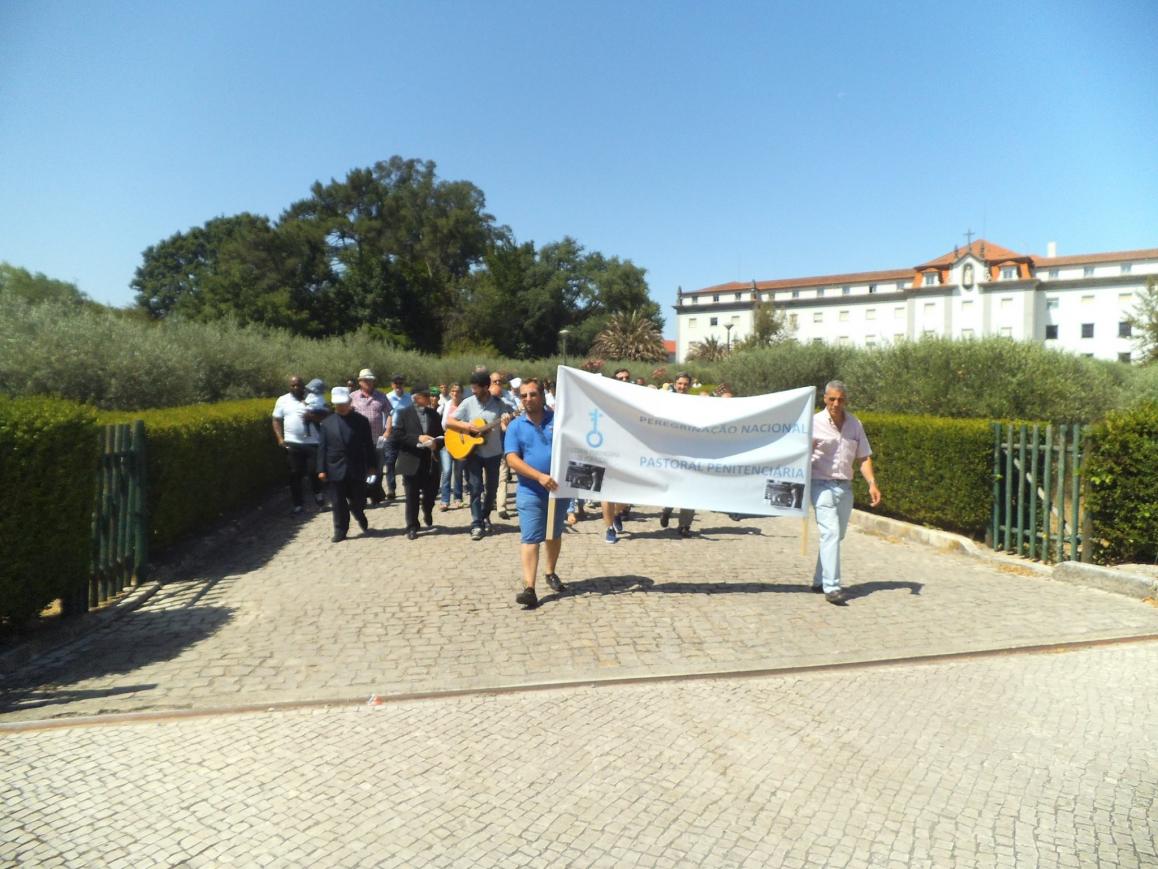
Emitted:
<point x="1117" y="580"/>
<point x="1112" y="579"/>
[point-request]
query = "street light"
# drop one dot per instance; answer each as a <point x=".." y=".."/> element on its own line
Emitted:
<point x="728" y="329"/>
<point x="563" y="333"/>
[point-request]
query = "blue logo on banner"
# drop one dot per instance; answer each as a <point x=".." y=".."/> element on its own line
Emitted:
<point x="595" y="437"/>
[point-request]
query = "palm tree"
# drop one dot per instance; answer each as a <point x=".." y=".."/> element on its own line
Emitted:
<point x="630" y="335"/>
<point x="708" y="350"/>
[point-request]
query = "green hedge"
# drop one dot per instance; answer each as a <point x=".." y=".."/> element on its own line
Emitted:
<point x="205" y="460"/>
<point x="1122" y="485"/>
<point x="48" y="470"/>
<point x="931" y="470"/>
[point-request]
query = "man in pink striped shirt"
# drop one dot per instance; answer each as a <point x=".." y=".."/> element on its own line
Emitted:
<point x="838" y="439"/>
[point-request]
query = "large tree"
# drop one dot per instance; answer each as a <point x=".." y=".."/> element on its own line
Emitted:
<point x="520" y="298"/>
<point x="385" y="248"/>
<point x="398" y="242"/>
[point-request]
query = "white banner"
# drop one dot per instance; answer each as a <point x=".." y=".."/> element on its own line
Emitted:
<point x="634" y="445"/>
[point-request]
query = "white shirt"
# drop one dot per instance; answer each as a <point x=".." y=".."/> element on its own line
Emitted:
<point x="292" y="413"/>
<point x="835" y="448"/>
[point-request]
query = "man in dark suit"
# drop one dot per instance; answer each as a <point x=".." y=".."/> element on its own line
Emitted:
<point x="345" y="457"/>
<point x="418" y="436"/>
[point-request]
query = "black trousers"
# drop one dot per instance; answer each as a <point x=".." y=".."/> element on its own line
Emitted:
<point x="347" y="496"/>
<point x="424" y="484"/>
<point x="303" y="461"/>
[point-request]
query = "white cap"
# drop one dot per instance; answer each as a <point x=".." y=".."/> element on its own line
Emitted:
<point x="340" y="395"/>
<point x="516" y="382"/>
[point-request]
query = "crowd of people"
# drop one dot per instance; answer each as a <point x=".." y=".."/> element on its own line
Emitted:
<point x="351" y="451"/>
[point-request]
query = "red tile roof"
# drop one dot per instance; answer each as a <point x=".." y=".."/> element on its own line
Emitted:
<point x="994" y="255"/>
<point x="819" y="281"/>
<point x="1089" y="258"/>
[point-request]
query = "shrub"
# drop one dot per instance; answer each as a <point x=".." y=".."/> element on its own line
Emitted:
<point x="1122" y="485"/>
<point x="931" y="470"/>
<point x="205" y="460"/>
<point x="48" y="469"/>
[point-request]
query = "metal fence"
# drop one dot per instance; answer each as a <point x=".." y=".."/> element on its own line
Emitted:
<point x="120" y="533"/>
<point x="1037" y="492"/>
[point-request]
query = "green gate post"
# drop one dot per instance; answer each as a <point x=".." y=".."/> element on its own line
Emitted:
<point x="1075" y="521"/>
<point x="1033" y="495"/>
<point x="1021" y="490"/>
<point x="140" y="505"/>
<point x="1046" y="501"/>
<point x="995" y="540"/>
<point x="1007" y="531"/>
<point x="1061" y="493"/>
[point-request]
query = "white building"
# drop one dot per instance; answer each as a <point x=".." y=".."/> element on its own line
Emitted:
<point x="1077" y="303"/>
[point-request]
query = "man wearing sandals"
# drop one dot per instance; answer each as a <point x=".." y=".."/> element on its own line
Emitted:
<point x="528" y="449"/>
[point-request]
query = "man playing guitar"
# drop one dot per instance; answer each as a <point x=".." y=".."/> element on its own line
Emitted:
<point x="480" y="415"/>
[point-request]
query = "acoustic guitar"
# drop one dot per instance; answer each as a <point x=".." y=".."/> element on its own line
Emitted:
<point x="460" y="444"/>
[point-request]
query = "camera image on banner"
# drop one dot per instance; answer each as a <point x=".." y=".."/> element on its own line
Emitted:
<point x="627" y="443"/>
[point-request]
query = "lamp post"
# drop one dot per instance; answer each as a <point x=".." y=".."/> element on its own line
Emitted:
<point x="728" y="330"/>
<point x="563" y="333"/>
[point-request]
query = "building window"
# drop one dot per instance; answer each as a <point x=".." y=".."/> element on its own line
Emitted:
<point x="1125" y="298"/>
<point x="872" y="288"/>
<point x="967" y="307"/>
<point x="1006" y="304"/>
<point x="899" y="312"/>
<point x="818" y="316"/>
<point x="1127" y="268"/>
<point x="817" y="340"/>
<point x="932" y="279"/>
<point x="843" y="341"/>
<point x="715" y="321"/>
<point x="966" y="333"/>
<point x="695" y="299"/>
<point x="1053" y="273"/>
<point x="1124" y="357"/>
<point x="1088" y="272"/>
<point x="929" y="308"/>
<point x="1009" y="273"/>
<point x="844" y="316"/>
<point x="739" y="297"/>
<point x="820" y="293"/>
<point x="692" y="323"/>
<point x="898" y="336"/>
<point x="1087" y="300"/>
<point x="1050" y="331"/>
<point x="870" y="313"/>
<point x="846" y="291"/>
<point x="1051" y="304"/>
<point x="796" y="294"/>
<point x="930" y="333"/>
<point x="735" y="318"/>
<point x="715" y="298"/>
<point x="1125" y="329"/>
<point x="1006" y="331"/>
<point x="1087" y="330"/>
<point x="901" y="284"/>
<point x="793" y="320"/>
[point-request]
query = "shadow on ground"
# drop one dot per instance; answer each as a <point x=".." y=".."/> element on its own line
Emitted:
<point x="137" y="640"/>
<point x="605" y="585"/>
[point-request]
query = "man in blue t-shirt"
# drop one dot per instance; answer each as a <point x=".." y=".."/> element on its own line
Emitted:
<point x="528" y="449"/>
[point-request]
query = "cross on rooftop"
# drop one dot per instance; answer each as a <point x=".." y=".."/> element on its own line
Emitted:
<point x="969" y="238"/>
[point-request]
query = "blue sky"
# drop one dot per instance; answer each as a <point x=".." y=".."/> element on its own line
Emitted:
<point x="705" y="142"/>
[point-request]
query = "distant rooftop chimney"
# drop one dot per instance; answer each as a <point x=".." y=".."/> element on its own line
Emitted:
<point x="1051" y="249"/>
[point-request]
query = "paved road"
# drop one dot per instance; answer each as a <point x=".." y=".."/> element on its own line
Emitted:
<point x="1019" y="760"/>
